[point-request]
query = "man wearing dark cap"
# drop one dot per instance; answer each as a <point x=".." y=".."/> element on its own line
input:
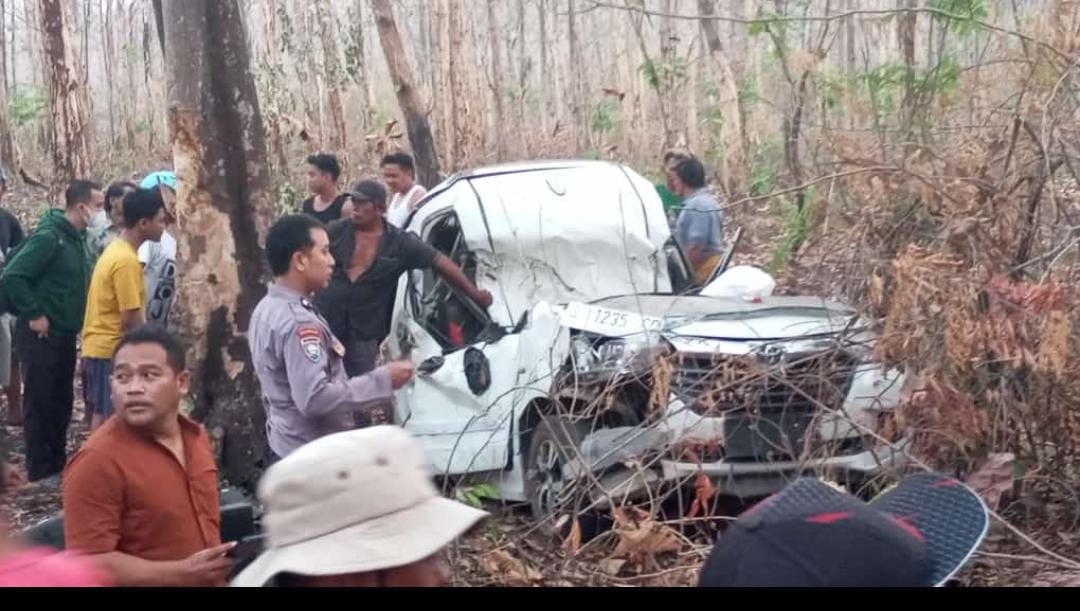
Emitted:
<point x="370" y="255"/>
<point x="918" y="534"/>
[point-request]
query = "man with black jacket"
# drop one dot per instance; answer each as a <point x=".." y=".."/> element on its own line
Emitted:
<point x="46" y="283"/>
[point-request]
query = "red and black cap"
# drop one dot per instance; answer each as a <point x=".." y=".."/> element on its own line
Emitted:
<point x="916" y="535"/>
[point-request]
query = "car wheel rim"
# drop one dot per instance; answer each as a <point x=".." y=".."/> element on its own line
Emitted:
<point x="549" y="473"/>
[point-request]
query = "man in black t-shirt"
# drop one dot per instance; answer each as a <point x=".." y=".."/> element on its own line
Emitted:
<point x="369" y="257"/>
<point x="11" y="235"/>
<point x="327" y="203"/>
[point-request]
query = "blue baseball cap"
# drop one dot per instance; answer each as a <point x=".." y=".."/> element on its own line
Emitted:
<point x="165" y="179"/>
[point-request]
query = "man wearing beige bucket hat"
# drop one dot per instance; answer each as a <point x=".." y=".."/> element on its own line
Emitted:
<point x="356" y="509"/>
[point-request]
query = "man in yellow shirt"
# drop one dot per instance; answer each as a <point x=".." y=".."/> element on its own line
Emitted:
<point x="117" y="296"/>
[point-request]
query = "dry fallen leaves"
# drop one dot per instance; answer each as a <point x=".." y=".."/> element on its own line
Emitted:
<point x="504" y="567"/>
<point x="993" y="478"/>
<point x="641" y="538"/>
<point x="704" y="491"/>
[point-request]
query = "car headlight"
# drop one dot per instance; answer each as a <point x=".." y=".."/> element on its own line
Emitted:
<point x="615" y="356"/>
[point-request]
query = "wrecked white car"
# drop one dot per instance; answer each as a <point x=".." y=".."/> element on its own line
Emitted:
<point x="600" y="368"/>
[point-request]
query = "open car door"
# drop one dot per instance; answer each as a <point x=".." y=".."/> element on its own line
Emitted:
<point x="471" y="373"/>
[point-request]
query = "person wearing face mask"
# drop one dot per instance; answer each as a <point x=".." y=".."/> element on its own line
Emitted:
<point x="45" y="283"/>
<point x="100" y="233"/>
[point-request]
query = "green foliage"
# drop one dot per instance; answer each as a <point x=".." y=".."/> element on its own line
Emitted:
<point x="26" y="105"/>
<point x="476" y="495"/>
<point x="967" y="14"/>
<point x="288" y="201"/>
<point x="769" y="22"/>
<point x="605" y="116"/>
<point x="766" y="158"/>
<point x="354" y="41"/>
<point x="749" y="91"/>
<point x="712" y="121"/>
<point x="884" y="84"/>
<point x="657" y="73"/>
<point x="831" y="88"/>
<point x="142" y="126"/>
<point x="592" y="155"/>
<point x="796" y="225"/>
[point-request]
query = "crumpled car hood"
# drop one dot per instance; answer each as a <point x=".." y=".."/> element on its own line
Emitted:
<point x="773" y="318"/>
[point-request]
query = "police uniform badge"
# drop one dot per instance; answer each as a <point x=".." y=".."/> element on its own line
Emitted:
<point x="311" y="343"/>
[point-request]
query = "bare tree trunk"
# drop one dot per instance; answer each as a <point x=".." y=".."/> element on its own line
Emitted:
<point x="337" y="141"/>
<point x="735" y="168"/>
<point x="70" y="151"/>
<point x="7" y="149"/>
<point x="545" y="69"/>
<point x="459" y="102"/>
<point x="310" y="92"/>
<point x="364" y="82"/>
<point x="401" y="73"/>
<point x="581" y="126"/>
<point x="222" y="210"/>
<point x="497" y="86"/>
<point x="110" y="50"/>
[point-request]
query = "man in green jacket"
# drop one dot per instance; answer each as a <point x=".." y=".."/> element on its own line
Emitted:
<point x="46" y="283"/>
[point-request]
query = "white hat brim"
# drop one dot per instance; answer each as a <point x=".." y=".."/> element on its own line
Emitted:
<point x="386" y="542"/>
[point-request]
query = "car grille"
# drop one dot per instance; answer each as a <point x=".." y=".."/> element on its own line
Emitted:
<point x="768" y="405"/>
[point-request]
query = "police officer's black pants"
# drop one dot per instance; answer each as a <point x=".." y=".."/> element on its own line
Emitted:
<point x="48" y="377"/>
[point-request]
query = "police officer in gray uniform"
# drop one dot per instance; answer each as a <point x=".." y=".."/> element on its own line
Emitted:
<point x="299" y="362"/>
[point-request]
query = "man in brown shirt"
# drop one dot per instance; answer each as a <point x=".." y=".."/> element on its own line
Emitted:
<point x="141" y="495"/>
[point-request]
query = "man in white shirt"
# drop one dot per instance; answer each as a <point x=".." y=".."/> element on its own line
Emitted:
<point x="399" y="172"/>
<point x="159" y="258"/>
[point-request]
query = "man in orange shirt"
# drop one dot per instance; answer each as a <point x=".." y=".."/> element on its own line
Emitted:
<point x="117" y="296"/>
<point x="141" y="496"/>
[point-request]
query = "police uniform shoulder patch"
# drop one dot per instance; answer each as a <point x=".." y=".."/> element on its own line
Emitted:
<point x="311" y="342"/>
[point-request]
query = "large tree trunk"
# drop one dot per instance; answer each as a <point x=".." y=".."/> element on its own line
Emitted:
<point x="332" y="73"/>
<point x="581" y="125"/>
<point x="69" y="148"/>
<point x="546" y="85"/>
<point x="222" y="210"/>
<point x="496" y="82"/>
<point x="7" y="150"/>
<point x="401" y="73"/>
<point x="735" y="169"/>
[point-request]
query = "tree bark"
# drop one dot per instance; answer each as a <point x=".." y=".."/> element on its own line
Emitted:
<point x="222" y="210"/>
<point x="581" y="126"/>
<point x="735" y="168"/>
<point x="364" y="82"/>
<point x="69" y="148"/>
<point x="460" y="107"/>
<point x="337" y="141"/>
<point x="497" y="86"/>
<point x="7" y="149"/>
<point x="545" y="70"/>
<point x="401" y="73"/>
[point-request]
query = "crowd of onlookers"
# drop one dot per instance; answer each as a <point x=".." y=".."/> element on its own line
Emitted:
<point x="347" y="499"/>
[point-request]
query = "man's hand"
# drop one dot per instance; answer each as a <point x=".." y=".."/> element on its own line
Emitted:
<point x="208" y="567"/>
<point x="40" y="326"/>
<point x="484" y="299"/>
<point x="400" y="373"/>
